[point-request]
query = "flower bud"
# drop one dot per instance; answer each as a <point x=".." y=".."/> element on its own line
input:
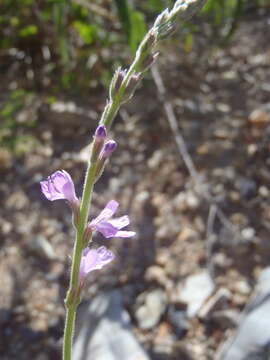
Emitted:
<point x="147" y="43"/>
<point x="87" y="235"/>
<point x="131" y="87"/>
<point x="106" y="152"/>
<point x="162" y="18"/>
<point x="99" y="138"/>
<point x="100" y="133"/>
<point x="166" y="30"/>
<point x="116" y="82"/>
<point x="149" y="61"/>
<point x="108" y="149"/>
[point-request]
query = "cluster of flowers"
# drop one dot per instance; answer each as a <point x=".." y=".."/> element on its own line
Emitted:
<point x="60" y="186"/>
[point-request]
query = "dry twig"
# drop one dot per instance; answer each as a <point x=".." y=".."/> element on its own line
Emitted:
<point x="200" y="188"/>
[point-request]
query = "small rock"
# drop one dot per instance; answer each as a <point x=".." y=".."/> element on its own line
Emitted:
<point x="264" y="192"/>
<point x="221" y="261"/>
<point x="195" y="291"/>
<point x="252" y="339"/>
<point x="226" y="319"/>
<point x="252" y="149"/>
<point x="258" y="117"/>
<point x="187" y="234"/>
<point x="179" y="321"/>
<point x="192" y="201"/>
<point x="104" y="331"/>
<point x="242" y="287"/>
<point x="248" y="233"/>
<point x="149" y="314"/>
<point x="163" y="256"/>
<point x="247" y="187"/>
<point x="163" y="340"/>
<point x="215" y="302"/>
<point x="43" y="248"/>
<point x="156" y="274"/>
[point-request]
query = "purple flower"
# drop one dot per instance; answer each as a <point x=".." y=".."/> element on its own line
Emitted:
<point x="100" y="132"/>
<point x="111" y="227"/>
<point x="94" y="259"/>
<point x="59" y="186"/>
<point x="108" y="149"/>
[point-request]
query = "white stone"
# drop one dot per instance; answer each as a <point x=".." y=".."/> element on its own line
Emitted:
<point x="195" y="291"/>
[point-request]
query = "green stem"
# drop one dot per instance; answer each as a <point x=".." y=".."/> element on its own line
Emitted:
<point x="112" y="108"/>
<point x="73" y="294"/>
<point x="68" y="333"/>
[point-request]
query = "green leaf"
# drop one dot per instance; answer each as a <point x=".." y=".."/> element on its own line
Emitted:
<point x="124" y="16"/>
<point x="87" y="32"/>
<point x="138" y="29"/>
<point x="28" y="30"/>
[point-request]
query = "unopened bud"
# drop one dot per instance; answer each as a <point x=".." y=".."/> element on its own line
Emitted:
<point x="131" y="87"/>
<point x="162" y="18"/>
<point x="75" y="207"/>
<point x="185" y="9"/>
<point x="99" y="138"/>
<point x="87" y="235"/>
<point x="149" y="61"/>
<point x="100" y="133"/>
<point x="147" y="43"/>
<point x="116" y="82"/>
<point x="108" y="149"/>
<point x="106" y="152"/>
<point x="165" y="30"/>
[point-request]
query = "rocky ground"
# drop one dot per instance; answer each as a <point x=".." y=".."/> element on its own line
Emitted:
<point x="184" y="282"/>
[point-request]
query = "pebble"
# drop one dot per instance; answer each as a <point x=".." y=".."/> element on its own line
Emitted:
<point x="246" y="186"/>
<point x="242" y="287"/>
<point x="156" y="274"/>
<point x="195" y="291"/>
<point x="215" y="302"/>
<point x="149" y="314"/>
<point x="228" y="318"/>
<point x="187" y="234"/>
<point x="104" y="330"/>
<point x="43" y="248"/>
<point x="258" y="117"/>
<point x="248" y="233"/>
<point x="179" y="321"/>
<point x="163" y="256"/>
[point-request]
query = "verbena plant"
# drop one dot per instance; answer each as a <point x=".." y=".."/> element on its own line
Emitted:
<point x="59" y="185"/>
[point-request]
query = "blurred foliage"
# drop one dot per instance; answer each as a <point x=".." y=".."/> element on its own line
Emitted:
<point x="224" y="15"/>
<point x="73" y="45"/>
<point x="77" y="41"/>
<point x="16" y="124"/>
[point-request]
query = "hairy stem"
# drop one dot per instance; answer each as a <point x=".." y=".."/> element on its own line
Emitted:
<point x="73" y="294"/>
<point x="68" y="333"/>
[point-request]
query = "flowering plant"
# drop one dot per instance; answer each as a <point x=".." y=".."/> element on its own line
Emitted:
<point x="60" y="185"/>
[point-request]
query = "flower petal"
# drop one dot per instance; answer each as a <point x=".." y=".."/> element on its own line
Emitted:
<point x="120" y="222"/>
<point x="125" y="234"/>
<point x="107" y="212"/>
<point x="106" y="229"/>
<point x="95" y="259"/>
<point x="59" y="186"/>
<point x="49" y="191"/>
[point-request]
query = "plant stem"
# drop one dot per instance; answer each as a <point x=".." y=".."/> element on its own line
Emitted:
<point x="73" y="294"/>
<point x="68" y="333"/>
<point x="112" y="108"/>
